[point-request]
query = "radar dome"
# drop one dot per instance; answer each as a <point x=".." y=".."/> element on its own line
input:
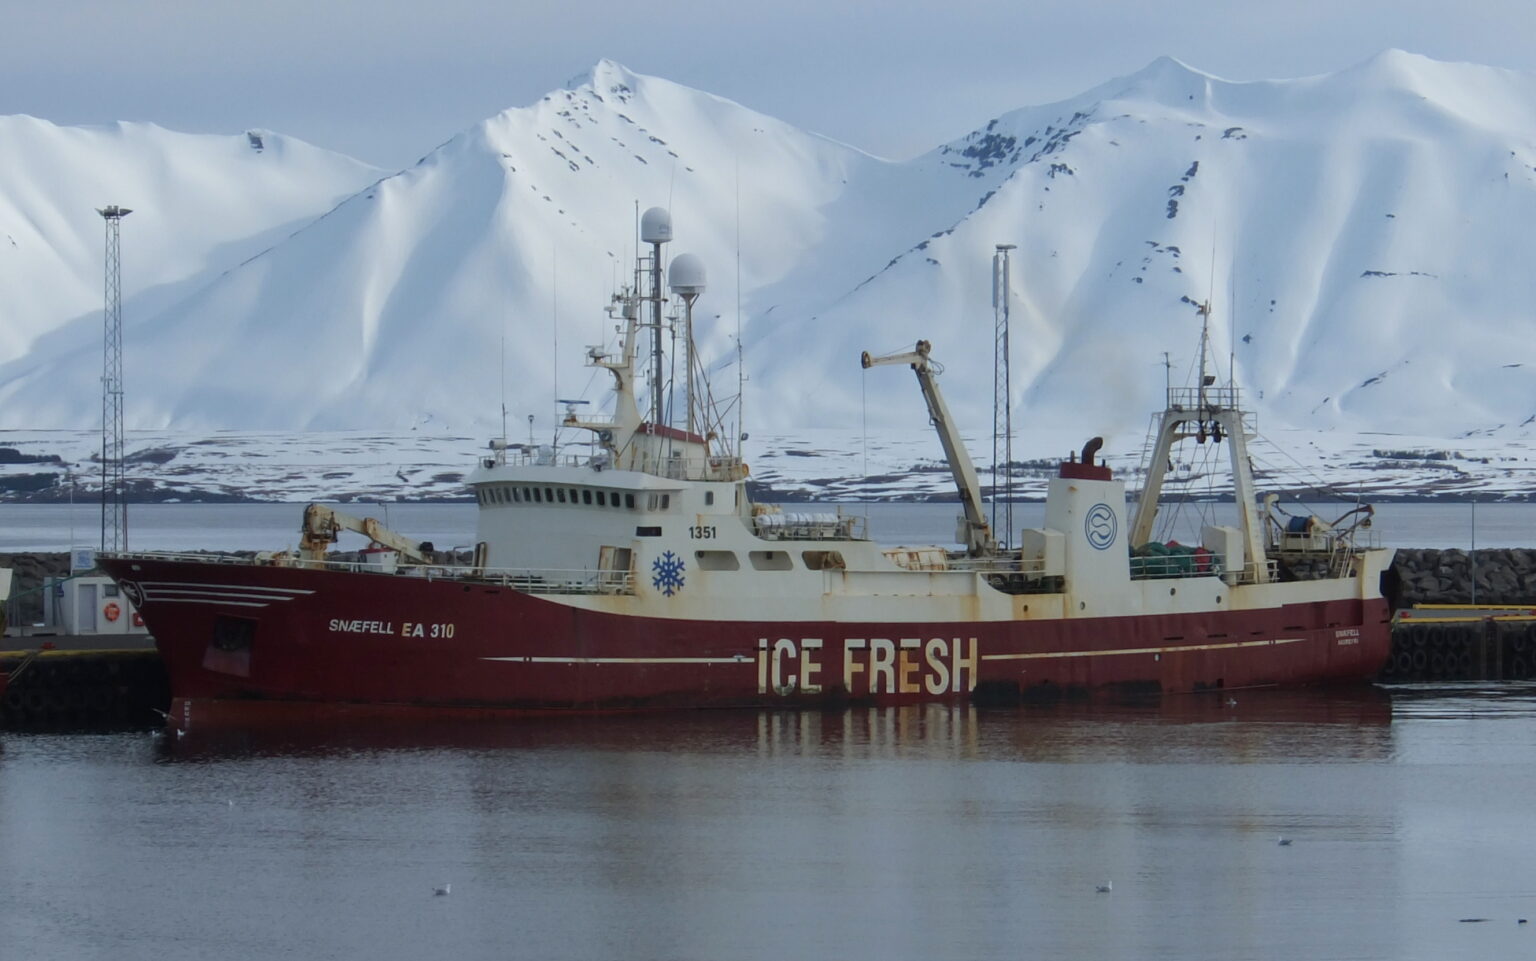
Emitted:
<point x="686" y="275"/>
<point x="656" y="226"/>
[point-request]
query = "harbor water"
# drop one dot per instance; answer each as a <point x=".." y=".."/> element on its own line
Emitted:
<point x="927" y="832"/>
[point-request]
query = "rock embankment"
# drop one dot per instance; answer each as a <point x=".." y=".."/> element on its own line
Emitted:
<point x="1430" y="576"/>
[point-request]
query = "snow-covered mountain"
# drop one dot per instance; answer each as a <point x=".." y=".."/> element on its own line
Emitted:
<point x="201" y="205"/>
<point x="1361" y="237"/>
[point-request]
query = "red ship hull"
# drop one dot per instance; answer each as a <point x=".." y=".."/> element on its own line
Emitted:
<point x="237" y="639"/>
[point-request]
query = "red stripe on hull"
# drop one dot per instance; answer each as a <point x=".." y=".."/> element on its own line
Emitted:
<point x="236" y="634"/>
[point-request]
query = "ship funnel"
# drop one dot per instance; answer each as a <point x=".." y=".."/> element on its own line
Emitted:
<point x="656" y="226"/>
<point x="685" y="276"/>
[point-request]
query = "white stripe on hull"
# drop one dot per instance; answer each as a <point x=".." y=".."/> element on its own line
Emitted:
<point x="736" y="659"/>
<point x="742" y="659"/>
<point x="231" y="595"/>
<point x="1175" y="649"/>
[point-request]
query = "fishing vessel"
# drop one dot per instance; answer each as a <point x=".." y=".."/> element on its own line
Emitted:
<point x="633" y="571"/>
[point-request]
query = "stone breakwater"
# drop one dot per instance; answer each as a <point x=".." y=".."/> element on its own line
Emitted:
<point x="1492" y="576"/>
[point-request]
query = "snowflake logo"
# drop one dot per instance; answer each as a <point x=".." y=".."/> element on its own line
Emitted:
<point x="669" y="573"/>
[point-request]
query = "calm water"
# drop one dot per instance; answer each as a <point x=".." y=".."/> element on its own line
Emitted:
<point x="913" y="833"/>
<point x="895" y="833"/>
<point x="50" y="527"/>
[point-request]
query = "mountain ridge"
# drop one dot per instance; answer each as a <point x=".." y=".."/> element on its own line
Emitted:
<point x="1336" y="223"/>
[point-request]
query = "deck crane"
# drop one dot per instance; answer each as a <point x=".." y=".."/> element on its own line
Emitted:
<point x="323" y="525"/>
<point x="973" y="531"/>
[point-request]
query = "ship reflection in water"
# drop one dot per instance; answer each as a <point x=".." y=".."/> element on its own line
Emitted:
<point x="1292" y="724"/>
<point x="929" y="831"/>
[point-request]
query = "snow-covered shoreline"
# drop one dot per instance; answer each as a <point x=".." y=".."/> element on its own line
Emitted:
<point x="816" y="464"/>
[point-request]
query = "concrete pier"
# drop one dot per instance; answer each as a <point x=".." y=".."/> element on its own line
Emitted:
<point x="1462" y="642"/>
<point x="81" y="682"/>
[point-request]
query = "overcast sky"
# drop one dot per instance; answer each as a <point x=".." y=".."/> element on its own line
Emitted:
<point x="388" y="80"/>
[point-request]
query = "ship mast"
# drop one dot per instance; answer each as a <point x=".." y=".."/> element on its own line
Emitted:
<point x="1206" y="412"/>
<point x="635" y="442"/>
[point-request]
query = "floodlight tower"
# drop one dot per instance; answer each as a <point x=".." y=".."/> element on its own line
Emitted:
<point x="1002" y="401"/>
<point x="114" y="506"/>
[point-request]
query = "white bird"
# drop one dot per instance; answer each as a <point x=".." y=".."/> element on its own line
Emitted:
<point x="1231" y="702"/>
<point x="443" y="891"/>
<point x="1105" y="888"/>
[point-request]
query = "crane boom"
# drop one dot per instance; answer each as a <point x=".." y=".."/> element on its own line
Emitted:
<point x="977" y="532"/>
<point x="322" y="526"/>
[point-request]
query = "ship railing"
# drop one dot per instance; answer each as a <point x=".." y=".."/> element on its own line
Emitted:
<point x="528" y="580"/>
<point x="929" y="559"/>
<point x="562" y="581"/>
<point x="1204" y="399"/>
<point x="1196" y="563"/>
<point x="520" y="455"/>
<point x="720" y="468"/>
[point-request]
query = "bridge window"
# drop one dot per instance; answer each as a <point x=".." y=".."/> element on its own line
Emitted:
<point x="586" y="496"/>
<point x="771" y="560"/>
<point x="717" y="560"/>
<point x="600" y="501"/>
<point x="709" y="498"/>
<point x="629" y="501"/>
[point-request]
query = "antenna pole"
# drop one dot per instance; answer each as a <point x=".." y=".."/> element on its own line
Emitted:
<point x="741" y="374"/>
<point x="1002" y="400"/>
<point x="656" y="348"/>
<point x="114" y="506"/>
